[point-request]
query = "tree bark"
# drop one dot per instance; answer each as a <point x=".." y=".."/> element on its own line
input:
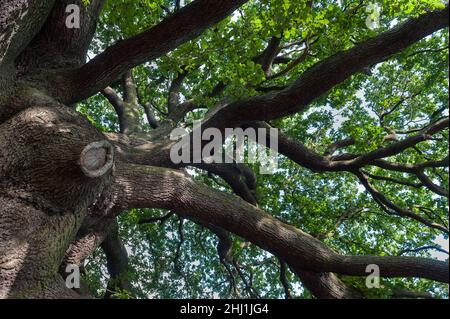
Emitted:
<point x="63" y="182"/>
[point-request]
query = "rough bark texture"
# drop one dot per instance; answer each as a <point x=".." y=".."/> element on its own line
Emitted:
<point x="44" y="196"/>
<point x="63" y="183"/>
<point x="182" y="26"/>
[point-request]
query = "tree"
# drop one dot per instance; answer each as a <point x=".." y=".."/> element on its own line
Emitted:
<point x="86" y="173"/>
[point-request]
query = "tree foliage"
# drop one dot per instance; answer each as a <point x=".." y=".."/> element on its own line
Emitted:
<point x="405" y="93"/>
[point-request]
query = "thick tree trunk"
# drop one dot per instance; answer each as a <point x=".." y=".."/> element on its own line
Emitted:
<point x="61" y="185"/>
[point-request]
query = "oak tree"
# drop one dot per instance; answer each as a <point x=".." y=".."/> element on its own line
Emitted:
<point x="86" y="176"/>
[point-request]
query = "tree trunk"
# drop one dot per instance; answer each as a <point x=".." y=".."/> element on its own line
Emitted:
<point x="53" y="166"/>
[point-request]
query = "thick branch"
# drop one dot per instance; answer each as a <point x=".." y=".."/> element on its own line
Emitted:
<point x="392" y="208"/>
<point x="20" y="21"/>
<point x="269" y="55"/>
<point x="184" y="25"/>
<point x="284" y="281"/>
<point x="414" y="250"/>
<point x="130" y="92"/>
<point x="239" y="177"/>
<point x="316" y="162"/>
<point x="139" y="186"/>
<point x="430" y="185"/>
<point x="322" y="285"/>
<point x="152" y="121"/>
<point x="326" y="285"/>
<point x="180" y="110"/>
<point x="87" y="240"/>
<point x="127" y="109"/>
<point x="116" y="262"/>
<point x="118" y="106"/>
<point x="410" y="294"/>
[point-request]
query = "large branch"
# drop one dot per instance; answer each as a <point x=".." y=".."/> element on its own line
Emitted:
<point x="117" y="262"/>
<point x="144" y="186"/>
<point x="180" y="110"/>
<point x="184" y="25"/>
<point x="316" y="162"/>
<point x="239" y="177"/>
<point x="427" y="182"/>
<point x="114" y="99"/>
<point x="127" y="109"/>
<point x="269" y="54"/>
<point x="392" y="208"/>
<point x="130" y="89"/>
<point x="20" y="20"/>
<point x="151" y="119"/>
<point x="328" y="73"/>
<point x="321" y="285"/>
<point x="158" y="153"/>
<point x="326" y="285"/>
<point x="174" y="90"/>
